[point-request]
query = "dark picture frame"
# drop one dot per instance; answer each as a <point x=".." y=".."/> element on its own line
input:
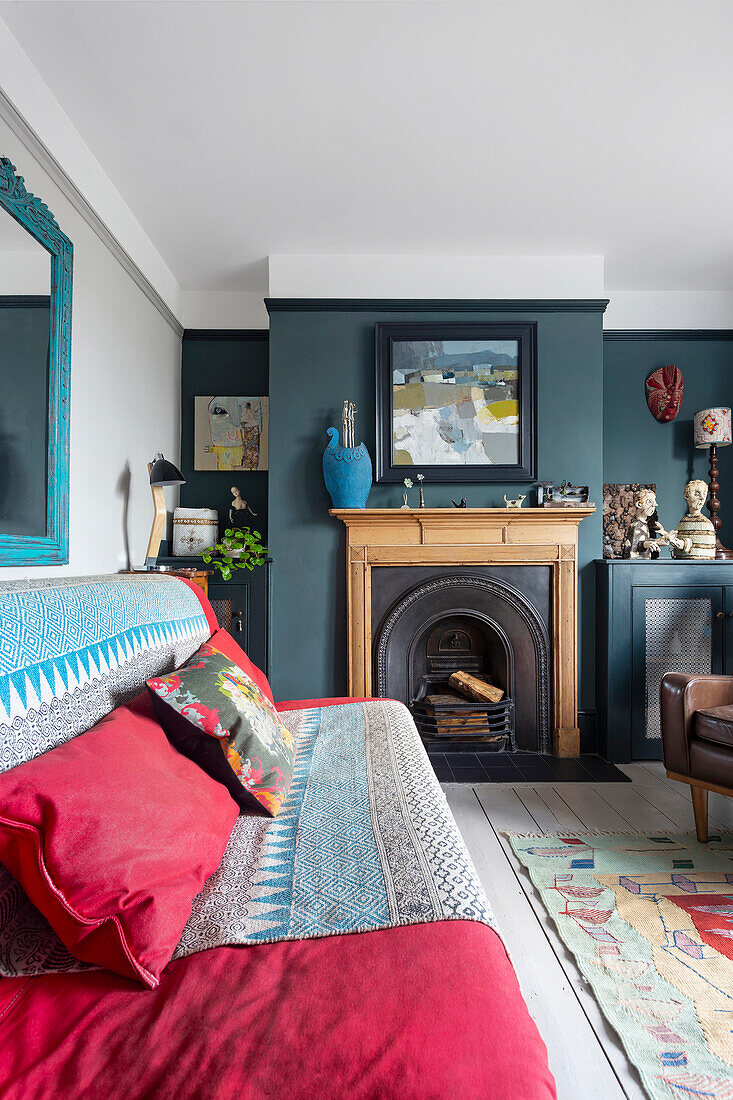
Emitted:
<point x="525" y="468"/>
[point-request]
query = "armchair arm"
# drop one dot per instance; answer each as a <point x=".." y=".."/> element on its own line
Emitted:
<point x="680" y="696"/>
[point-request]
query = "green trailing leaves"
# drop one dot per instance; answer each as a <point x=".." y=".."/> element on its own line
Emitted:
<point x="239" y="548"/>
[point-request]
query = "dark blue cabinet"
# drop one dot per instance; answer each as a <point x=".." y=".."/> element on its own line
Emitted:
<point x="241" y="606"/>
<point x="655" y="617"/>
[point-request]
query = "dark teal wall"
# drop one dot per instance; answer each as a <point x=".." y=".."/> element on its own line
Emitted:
<point x="638" y="448"/>
<point x="24" y="346"/>
<point x="323" y="354"/>
<point x="230" y="365"/>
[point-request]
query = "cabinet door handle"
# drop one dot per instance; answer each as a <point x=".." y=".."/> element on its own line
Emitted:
<point x="724" y="615"/>
<point x="237" y="621"/>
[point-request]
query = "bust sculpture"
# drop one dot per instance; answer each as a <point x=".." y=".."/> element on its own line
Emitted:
<point x="694" y="537"/>
<point x="238" y="509"/>
<point x="641" y="539"/>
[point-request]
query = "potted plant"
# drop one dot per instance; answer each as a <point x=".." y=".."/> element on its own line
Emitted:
<point x="239" y="548"/>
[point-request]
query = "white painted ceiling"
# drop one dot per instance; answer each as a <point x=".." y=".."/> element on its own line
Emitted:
<point x="525" y="127"/>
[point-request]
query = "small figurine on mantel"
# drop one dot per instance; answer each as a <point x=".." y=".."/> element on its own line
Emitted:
<point x="238" y="509"/>
<point x="694" y="537"/>
<point x="645" y="535"/>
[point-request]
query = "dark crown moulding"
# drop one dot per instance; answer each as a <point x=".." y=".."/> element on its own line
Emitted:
<point x="437" y="305"/>
<point x="226" y="334"/>
<point x="668" y="334"/>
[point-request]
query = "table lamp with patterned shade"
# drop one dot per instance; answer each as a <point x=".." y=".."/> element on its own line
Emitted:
<point x="161" y="473"/>
<point x="713" y="430"/>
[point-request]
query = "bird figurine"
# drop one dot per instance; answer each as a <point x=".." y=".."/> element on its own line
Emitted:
<point x="461" y="505"/>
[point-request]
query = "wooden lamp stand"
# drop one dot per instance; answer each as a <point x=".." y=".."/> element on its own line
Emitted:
<point x="161" y="472"/>
<point x="721" y="552"/>
<point x="158" y="528"/>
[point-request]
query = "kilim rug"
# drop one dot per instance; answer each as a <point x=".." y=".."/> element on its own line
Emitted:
<point x="649" y="919"/>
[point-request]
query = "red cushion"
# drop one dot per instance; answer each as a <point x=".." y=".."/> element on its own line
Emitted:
<point x="226" y="645"/>
<point x="335" y="701"/>
<point x="112" y="835"/>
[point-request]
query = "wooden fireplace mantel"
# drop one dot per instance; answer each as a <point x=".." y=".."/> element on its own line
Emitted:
<point x="463" y="537"/>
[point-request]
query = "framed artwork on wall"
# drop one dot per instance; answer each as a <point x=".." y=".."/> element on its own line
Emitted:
<point x="230" y="433"/>
<point x="456" y="402"/>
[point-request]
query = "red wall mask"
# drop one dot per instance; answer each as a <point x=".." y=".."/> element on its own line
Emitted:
<point x="664" y="389"/>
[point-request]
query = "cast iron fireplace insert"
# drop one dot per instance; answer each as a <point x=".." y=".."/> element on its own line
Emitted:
<point x="491" y="621"/>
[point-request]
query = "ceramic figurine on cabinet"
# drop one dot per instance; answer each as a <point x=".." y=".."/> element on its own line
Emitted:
<point x="347" y="469"/>
<point x="463" y="503"/>
<point x="694" y="537"/>
<point x="238" y="509"/>
<point x="645" y="535"/>
<point x="516" y="502"/>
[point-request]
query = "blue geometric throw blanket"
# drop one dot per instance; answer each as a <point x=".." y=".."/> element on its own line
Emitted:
<point x="365" y="841"/>
<point x="72" y="649"/>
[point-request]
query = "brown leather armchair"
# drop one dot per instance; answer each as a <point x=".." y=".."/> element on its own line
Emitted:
<point x="697" y="737"/>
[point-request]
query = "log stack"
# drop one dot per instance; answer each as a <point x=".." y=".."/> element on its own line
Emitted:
<point x="473" y="687"/>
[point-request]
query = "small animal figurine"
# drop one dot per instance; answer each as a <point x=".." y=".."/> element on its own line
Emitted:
<point x="238" y="509"/>
<point x="516" y="503"/>
<point x="461" y="505"/>
<point x="645" y="535"/>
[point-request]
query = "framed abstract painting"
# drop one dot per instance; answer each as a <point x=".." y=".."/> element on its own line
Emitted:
<point x="231" y="433"/>
<point x="456" y="402"/>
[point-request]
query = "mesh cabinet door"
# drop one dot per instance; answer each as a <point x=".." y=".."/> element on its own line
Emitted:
<point x="674" y="630"/>
<point x="231" y="604"/>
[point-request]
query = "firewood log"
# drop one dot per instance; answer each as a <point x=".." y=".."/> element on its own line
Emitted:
<point x="474" y="688"/>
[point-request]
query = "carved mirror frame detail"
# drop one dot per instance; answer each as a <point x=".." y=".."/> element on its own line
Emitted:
<point x="37" y="219"/>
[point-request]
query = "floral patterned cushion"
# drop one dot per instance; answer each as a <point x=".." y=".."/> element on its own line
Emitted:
<point x="215" y="714"/>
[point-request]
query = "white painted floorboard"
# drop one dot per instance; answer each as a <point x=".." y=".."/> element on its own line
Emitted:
<point x="585" y="1055"/>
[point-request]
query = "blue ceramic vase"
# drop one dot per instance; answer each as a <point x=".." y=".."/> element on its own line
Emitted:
<point x="347" y="472"/>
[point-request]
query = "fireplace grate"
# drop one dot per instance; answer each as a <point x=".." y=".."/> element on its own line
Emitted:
<point x="441" y="717"/>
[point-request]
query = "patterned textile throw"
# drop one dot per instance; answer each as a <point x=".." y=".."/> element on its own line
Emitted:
<point x="74" y="649"/>
<point x="365" y="840"/>
<point x="212" y="704"/>
<point x="650" y="922"/>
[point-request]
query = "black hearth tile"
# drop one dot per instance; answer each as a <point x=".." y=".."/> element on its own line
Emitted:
<point x="536" y="773"/>
<point x="609" y="775"/>
<point x="497" y="760"/>
<point x="533" y="761"/>
<point x="473" y="774"/>
<point x="603" y="771"/>
<point x="501" y="775"/>
<point x="568" y="770"/>
<point x="462" y="759"/>
<point x="443" y="773"/>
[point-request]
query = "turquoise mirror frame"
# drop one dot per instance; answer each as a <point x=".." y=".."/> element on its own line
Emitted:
<point x="37" y="219"/>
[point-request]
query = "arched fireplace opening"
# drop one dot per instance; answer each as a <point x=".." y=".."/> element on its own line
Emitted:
<point x="464" y="643"/>
<point x="479" y="624"/>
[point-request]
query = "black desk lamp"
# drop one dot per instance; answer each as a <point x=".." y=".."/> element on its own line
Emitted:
<point x="161" y="473"/>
